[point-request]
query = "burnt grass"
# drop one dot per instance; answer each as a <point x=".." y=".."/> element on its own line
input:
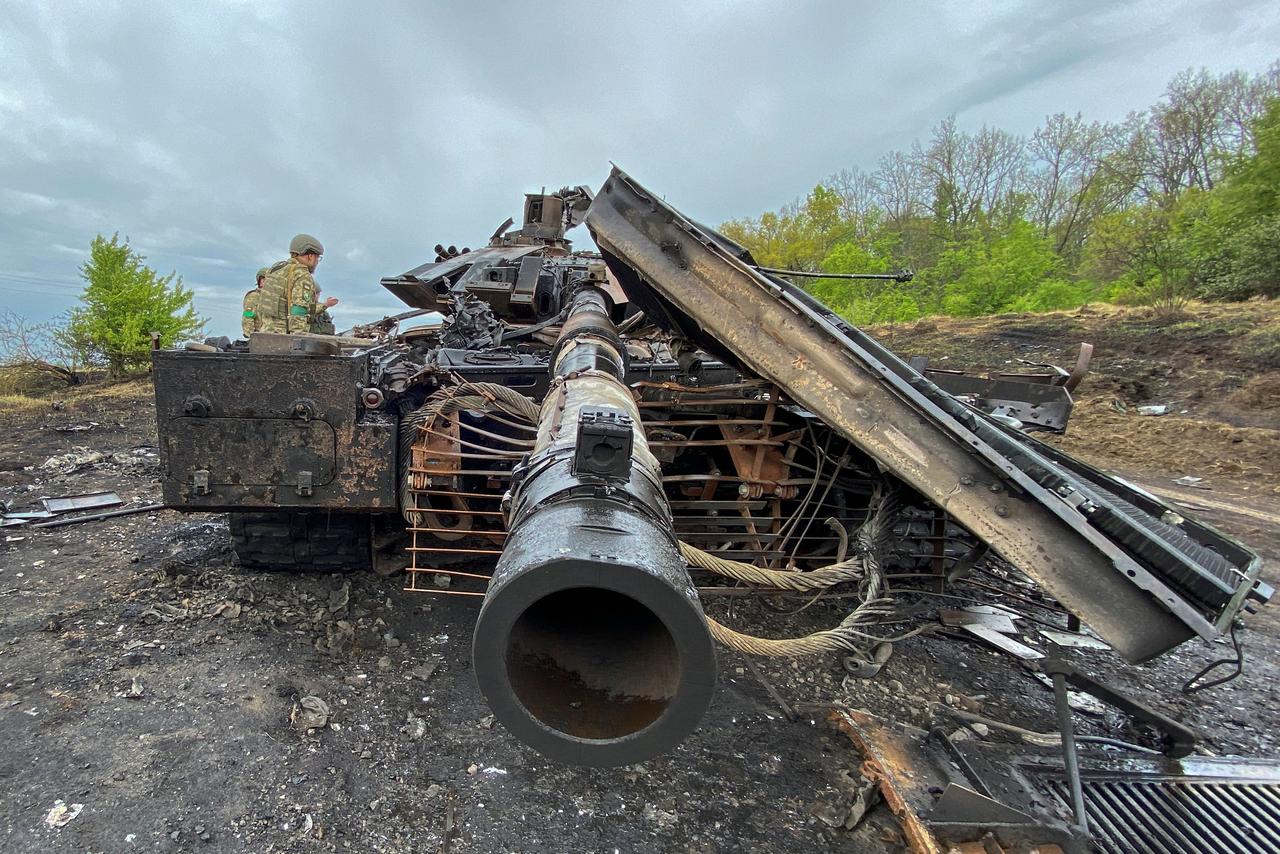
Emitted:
<point x="148" y="677"/>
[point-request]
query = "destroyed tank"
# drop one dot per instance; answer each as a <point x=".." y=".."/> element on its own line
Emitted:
<point x="560" y="433"/>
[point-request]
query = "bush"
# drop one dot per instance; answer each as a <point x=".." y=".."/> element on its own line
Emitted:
<point x="992" y="278"/>
<point x="894" y="305"/>
<point x="32" y="355"/>
<point x="1253" y="268"/>
<point x="1054" y="296"/>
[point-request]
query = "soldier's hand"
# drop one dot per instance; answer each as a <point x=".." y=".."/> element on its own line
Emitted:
<point x="330" y="302"/>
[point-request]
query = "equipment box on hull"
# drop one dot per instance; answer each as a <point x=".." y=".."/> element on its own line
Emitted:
<point x="242" y="431"/>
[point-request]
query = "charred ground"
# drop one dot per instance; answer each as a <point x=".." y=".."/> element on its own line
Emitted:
<point x="146" y="676"/>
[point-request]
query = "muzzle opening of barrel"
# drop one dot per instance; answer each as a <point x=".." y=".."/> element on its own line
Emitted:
<point x="592" y="663"/>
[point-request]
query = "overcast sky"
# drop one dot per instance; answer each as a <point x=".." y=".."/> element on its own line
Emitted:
<point x="209" y="133"/>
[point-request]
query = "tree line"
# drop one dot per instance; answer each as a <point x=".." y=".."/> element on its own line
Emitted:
<point x="1177" y="201"/>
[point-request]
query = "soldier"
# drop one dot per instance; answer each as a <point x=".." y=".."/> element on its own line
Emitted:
<point x="288" y="299"/>
<point x="249" y="320"/>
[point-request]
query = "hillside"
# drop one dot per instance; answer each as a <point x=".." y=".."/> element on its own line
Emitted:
<point x="1217" y="367"/>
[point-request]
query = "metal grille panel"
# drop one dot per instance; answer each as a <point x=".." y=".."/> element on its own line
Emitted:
<point x="1168" y="817"/>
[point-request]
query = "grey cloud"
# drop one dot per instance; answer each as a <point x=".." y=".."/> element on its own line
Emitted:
<point x="209" y="134"/>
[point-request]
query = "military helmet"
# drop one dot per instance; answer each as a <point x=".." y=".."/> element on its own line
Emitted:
<point x="304" y="243"/>
<point x="262" y="273"/>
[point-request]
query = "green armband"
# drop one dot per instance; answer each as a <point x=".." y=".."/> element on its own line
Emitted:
<point x="248" y="312"/>
<point x="298" y="310"/>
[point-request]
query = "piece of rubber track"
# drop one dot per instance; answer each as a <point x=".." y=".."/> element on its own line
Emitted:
<point x="287" y="541"/>
<point x="1222" y="577"/>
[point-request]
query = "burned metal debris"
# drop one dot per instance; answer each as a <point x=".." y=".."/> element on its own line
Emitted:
<point x="1027" y="400"/>
<point x="729" y="411"/>
<point x="54" y="508"/>
<point x="952" y="795"/>
<point x="87" y="501"/>
<point x="1099" y="546"/>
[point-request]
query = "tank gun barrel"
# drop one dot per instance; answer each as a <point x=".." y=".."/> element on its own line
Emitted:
<point x="591" y="645"/>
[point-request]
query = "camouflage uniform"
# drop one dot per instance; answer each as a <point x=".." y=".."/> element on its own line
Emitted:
<point x="288" y="301"/>
<point x="249" y="319"/>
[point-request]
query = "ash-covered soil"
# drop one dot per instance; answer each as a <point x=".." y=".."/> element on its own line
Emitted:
<point x="148" y="678"/>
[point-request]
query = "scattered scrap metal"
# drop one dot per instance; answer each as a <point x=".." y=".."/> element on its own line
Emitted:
<point x="87" y="501"/>
<point x="54" y="507"/>
<point x="951" y="795"/>
<point x="51" y="516"/>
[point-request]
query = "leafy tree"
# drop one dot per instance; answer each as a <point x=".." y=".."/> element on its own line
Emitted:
<point x="1252" y="191"/>
<point x="989" y="278"/>
<point x="893" y="304"/>
<point x="800" y="235"/>
<point x="853" y="258"/>
<point x="863" y="301"/>
<point x="1253" y="267"/>
<point x="124" y="303"/>
<point x="1231" y="231"/>
<point x="1011" y="266"/>
<point x="1143" y="246"/>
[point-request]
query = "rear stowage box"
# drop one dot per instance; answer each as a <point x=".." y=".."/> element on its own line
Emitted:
<point x="242" y="431"/>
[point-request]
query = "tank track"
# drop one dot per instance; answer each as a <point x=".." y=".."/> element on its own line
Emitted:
<point x="319" y="541"/>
